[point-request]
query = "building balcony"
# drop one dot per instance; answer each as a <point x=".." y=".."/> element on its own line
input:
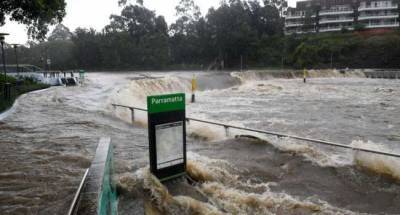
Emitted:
<point x="326" y="21"/>
<point x="335" y="12"/>
<point x="389" y="7"/>
<point x="331" y="29"/>
<point x="367" y="17"/>
<point x="294" y="17"/>
<point x="383" y="25"/>
<point x="288" y="25"/>
<point x="298" y="17"/>
<point x="298" y="32"/>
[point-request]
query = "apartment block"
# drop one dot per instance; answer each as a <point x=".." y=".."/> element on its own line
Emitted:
<point x="336" y="15"/>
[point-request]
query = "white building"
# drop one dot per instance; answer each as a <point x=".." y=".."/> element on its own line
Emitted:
<point x="335" y="15"/>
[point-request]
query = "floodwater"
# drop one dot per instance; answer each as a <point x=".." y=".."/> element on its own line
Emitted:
<point x="50" y="137"/>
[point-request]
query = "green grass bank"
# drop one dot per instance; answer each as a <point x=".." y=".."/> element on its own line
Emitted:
<point x="26" y="85"/>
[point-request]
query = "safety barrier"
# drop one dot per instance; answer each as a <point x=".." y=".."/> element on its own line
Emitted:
<point x="96" y="193"/>
<point x="273" y="133"/>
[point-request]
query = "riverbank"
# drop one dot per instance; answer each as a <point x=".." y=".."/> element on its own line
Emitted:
<point x="27" y="85"/>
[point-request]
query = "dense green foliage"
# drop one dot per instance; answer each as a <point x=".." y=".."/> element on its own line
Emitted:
<point x="237" y="31"/>
<point x="36" y="14"/>
<point x="26" y="85"/>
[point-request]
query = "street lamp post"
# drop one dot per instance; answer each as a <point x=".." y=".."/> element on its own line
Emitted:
<point x="7" y="86"/>
<point x="2" y="36"/>
<point x="16" y="56"/>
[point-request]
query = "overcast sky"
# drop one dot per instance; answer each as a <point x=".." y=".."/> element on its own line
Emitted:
<point x="95" y="14"/>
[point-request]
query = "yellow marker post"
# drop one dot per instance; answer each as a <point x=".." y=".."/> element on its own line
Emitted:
<point x="305" y="75"/>
<point x="194" y="85"/>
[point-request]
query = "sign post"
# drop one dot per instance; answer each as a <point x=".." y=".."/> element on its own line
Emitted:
<point x="81" y="76"/>
<point x="167" y="135"/>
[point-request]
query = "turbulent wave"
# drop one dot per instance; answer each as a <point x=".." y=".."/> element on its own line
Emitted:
<point x="251" y="81"/>
<point x="288" y="145"/>
<point x="225" y="193"/>
<point x="311" y="153"/>
<point x="380" y="164"/>
<point x="136" y="92"/>
<point x="257" y="75"/>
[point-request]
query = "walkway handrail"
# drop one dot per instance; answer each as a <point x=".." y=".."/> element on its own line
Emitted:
<point x="280" y="135"/>
<point x="77" y="194"/>
<point x="97" y="192"/>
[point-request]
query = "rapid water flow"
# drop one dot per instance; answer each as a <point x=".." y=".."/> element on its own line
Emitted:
<point x="50" y="138"/>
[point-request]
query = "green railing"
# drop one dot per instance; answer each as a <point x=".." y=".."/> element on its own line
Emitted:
<point x="108" y="195"/>
<point x="97" y="193"/>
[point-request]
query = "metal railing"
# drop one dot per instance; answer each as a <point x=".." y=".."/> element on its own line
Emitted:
<point x="272" y="133"/>
<point x="77" y="194"/>
<point x="378" y="7"/>
<point x="97" y="192"/>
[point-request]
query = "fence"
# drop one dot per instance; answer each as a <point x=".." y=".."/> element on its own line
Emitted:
<point x="8" y="91"/>
<point x="272" y="133"/>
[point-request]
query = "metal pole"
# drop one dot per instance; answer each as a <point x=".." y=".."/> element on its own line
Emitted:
<point x="77" y="194"/>
<point x="2" y="36"/>
<point x="16" y="58"/>
<point x="4" y="62"/>
<point x="241" y="63"/>
<point x="132" y="115"/>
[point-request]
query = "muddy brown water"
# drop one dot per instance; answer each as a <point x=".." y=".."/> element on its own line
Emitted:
<point x="50" y="137"/>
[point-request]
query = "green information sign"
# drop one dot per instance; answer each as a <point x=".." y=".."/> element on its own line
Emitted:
<point x="167" y="135"/>
<point x="165" y="103"/>
<point x="81" y="74"/>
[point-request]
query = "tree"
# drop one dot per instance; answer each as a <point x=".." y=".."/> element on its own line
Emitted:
<point x="60" y="32"/>
<point x="188" y="14"/>
<point x="87" y="49"/>
<point x="232" y="31"/>
<point x="267" y="19"/>
<point x="281" y="5"/>
<point x="308" y="21"/>
<point x="185" y="33"/>
<point x="36" y="14"/>
<point x="145" y="37"/>
<point x="135" y="19"/>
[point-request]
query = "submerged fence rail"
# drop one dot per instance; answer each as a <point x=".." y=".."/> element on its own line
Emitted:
<point x="272" y="133"/>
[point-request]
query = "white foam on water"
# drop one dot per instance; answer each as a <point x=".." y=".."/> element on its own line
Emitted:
<point x="220" y="186"/>
<point x="160" y="200"/>
<point x="135" y="94"/>
<point x="380" y="164"/>
<point x="256" y="75"/>
<point x="236" y="201"/>
<point x="253" y="83"/>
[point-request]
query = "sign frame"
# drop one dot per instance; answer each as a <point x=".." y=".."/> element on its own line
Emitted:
<point x="166" y="110"/>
